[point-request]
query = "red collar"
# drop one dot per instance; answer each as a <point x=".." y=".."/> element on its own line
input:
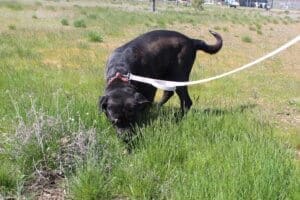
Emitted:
<point x="119" y="76"/>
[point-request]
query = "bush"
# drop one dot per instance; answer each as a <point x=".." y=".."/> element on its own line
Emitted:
<point x="64" y="22"/>
<point x="95" y="36"/>
<point x="80" y="23"/>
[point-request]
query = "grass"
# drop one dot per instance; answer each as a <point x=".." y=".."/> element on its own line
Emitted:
<point x="64" y="22"/>
<point x="14" y="6"/>
<point x="12" y="27"/>
<point x="80" y="23"/>
<point x="247" y="39"/>
<point x="237" y="142"/>
<point x="95" y="37"/>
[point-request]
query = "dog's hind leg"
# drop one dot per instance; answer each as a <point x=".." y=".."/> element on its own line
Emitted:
<point x="166" y="96"/>
<point x="185" y="100"/>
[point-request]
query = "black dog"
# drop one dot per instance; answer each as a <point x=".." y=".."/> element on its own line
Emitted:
<point x="161" y="54"/>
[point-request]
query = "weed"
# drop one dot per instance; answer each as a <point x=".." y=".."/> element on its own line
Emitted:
<point x="95" y="36"/>
<point x="80" y="23"/>
<point x="64" y="22"/>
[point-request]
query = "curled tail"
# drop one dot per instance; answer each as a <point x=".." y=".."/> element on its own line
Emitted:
<point x="211" y="49"/>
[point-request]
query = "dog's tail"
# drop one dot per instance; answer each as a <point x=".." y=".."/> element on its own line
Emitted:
<point x="211" y="49"/>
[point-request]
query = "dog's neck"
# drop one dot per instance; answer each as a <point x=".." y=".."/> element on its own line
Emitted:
<point x="118" y="76"/>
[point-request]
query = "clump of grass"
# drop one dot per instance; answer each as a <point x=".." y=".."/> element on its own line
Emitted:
<point x="251" y="28"/>
<point x="38" y="3"/>
<point x="82" y="45"/>
<point x="275" y="21"/>
<point x="79" y="23"/>
<point x="90" y="182"/>
<point x="9" y="177"/>
<point x="95" y="36"/>
<point x="92" y="16"/>
<point x="247" y="39"/>
<point x="64" y="22"/>
<point x="12" y="27"/>
<point x="258" y="26"/>
<point x="52" y="8"/>
<point x="225" y="29"/>
<point x="34" y="16"/>
<point x="259" y="32"/>
<point x="284" y="22"/>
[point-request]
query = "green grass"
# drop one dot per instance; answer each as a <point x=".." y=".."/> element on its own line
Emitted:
<point x="64" y="22"/>
<point x="247" y="39"/>
<point x="15" y="6"/>
<point x="95" y="37"/>
<point x="229" y="146"/>
<point x="80" y="23"/>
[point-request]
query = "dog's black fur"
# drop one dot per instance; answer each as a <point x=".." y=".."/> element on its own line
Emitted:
<point x="161" y="54"/>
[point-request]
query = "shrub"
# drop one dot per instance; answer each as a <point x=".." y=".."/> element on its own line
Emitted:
<point x="246" y="39"/>
<point x="95" y="36"/>
<point x="64" y="22"/>
<point x="80" y="23"/>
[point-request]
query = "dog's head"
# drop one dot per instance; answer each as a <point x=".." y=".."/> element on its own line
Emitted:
<point x="122" y="106"/>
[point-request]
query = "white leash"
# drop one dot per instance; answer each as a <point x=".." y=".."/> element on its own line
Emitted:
<point x="171" y="85"/>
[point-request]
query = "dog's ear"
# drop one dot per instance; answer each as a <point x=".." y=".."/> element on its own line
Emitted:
<point x="103" y="103"/>
<point x="141" y="100"/>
